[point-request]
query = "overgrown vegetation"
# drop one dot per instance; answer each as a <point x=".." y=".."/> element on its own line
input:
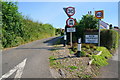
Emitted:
<point x="17" y="29"/>
<point x="91" y="51"/>
<point x="101" y="60"/>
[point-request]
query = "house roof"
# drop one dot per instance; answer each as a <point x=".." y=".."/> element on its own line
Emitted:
<point x="103" y="25"/>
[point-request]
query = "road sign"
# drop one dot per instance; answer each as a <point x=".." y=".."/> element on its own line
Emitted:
<point x="99" y="14"/>
<point x="71" y="30"/>
<point x="91" y="38"/>
<point x="70" y="22"/>
<point x="70" y="11"/>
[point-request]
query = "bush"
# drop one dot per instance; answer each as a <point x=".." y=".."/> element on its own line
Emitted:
<point x="109" y="38"/>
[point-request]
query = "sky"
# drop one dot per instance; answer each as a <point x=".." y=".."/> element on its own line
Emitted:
<point x="53" y="13"/>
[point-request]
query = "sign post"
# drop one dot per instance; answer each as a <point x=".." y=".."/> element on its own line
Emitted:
<point x="70" y="22"/>
<point x="99" y="15"/>
<point x="98" y="32"/>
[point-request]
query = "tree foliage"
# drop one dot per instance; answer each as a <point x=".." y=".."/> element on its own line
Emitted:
<point x="88" y="22"/>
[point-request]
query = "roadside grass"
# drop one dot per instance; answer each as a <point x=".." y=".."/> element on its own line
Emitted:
<point x="52" y="60"/>
<point x="71" y="52"/>
<point x="73" y="67"/>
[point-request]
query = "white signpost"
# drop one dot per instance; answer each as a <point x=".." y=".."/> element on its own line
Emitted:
<point x="91" y="38"/>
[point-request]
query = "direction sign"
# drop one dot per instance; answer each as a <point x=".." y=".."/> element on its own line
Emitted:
<point x="99" y="14"/>
<point x="71" y="30"/>
<point x="70" y="11"/>
<point x="91" y="38"/>
<point x="70" y="22"/>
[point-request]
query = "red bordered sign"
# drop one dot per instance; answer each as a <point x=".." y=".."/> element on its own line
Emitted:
<point x="70" y="11"/>
<point x="99" y="14"/>
<point x="70" y="22"/>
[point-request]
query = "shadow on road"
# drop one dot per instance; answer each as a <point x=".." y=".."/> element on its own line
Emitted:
<point x="52" y="41"/>
<point x="49" y="42"/>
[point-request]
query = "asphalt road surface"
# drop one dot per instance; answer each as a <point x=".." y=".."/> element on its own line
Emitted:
<point x="28" y="61"/>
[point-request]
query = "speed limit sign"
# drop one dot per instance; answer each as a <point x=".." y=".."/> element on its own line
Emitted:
<point x="99" y="14"/>
<point x="70" y="22"/>
<point x="70" y="11"/>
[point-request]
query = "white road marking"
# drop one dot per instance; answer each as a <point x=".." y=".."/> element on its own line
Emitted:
<point x="19" y="68"/>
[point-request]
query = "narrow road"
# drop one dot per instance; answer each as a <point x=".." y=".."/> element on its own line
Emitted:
<point x="28" y="61"/>
<point x="112" y="70"/>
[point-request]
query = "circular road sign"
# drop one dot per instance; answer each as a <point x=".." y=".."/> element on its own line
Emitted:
<point x="70" y="22"/>
<point x="70" y="11"/>
<point x="99" y="14"/>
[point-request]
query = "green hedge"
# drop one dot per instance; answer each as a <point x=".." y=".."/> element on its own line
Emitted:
<point x="17" y="29"/>
<point x="109" y="38"/>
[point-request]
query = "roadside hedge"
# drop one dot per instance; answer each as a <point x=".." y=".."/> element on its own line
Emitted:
<point x="17" y="30"/>
<point x="109" y="38"/>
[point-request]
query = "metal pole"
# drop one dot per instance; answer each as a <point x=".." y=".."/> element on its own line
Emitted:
<point x="79" y="47"/>
<point x="71" y="39"/>
<point x="98" y="32"/>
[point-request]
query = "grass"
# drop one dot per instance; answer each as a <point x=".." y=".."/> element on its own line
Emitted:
<point x="71" y="52"/>
<point x="72" y="67"/>
<point x="101" y="60"/>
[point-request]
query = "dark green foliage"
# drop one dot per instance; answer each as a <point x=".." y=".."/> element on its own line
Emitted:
<point x="83" y="54"/>
<point x="12" y="24"/>
<point x="17" y="30"/>
<point x="59" y="31"/>
<point x="88" y="22"/>
<point x="109" y="38"/>
<point x="110" y="26"/>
